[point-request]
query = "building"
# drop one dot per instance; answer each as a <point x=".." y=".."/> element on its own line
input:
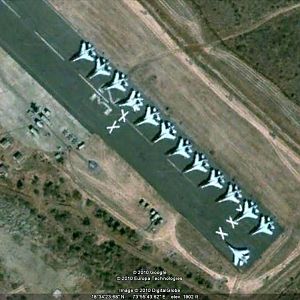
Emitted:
<point x="34" y="131"/>
<point x="18" y="156"/>
<point x="5" y="142"/>
<point x="47" y="112"/>
<point x="81" y="145"/>
<point x="38" y="123"/>
<point x="3" y="170"/>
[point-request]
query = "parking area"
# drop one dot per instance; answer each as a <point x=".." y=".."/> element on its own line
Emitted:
<point x="97" y="109"/>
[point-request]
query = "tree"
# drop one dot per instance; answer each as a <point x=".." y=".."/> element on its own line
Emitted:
<point x="76" y="195"/>
<point x="86" y="221"/>
<point x="20" y="183"/>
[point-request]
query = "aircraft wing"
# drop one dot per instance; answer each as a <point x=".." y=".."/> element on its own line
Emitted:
<point x="235" y="260"/>
<point x="90" y="58"/>
<point x="267" y="231"/>
<point x="122" y="88"/>
<point x="82" y="48"/>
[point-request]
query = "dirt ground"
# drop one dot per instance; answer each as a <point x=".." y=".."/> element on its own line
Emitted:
<point x="238" y="140"/>
<point x="115" y="186"/>
<point x="13" y="95"/>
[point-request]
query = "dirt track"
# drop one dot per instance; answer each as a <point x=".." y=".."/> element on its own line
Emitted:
<point x="233" y="103"/>
<point x="128" y="59"/>
<point x="279" y="145"/>
<point x="262" y="21"/>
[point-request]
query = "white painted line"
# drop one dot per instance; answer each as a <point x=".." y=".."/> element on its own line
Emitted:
<point x="133" y="126"/>
<point x="95" y="90"/>
<point x="52" y="7"/>
<point x="174" y="166"/>
<point x="10" y="8"/>
<point x="50" y="46"/>
<point x="130" y="124"/>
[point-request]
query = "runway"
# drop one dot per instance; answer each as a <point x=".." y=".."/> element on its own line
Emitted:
<point x="42" y="43"/>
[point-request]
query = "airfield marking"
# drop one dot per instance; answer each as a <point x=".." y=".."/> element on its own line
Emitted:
<point x="112" y="127"/>
<point x="129" y="123"/>
<point x="174" y="166"/>
<point x="10" y="8"/>
<point x="221" y="233"/>
<point x="88" y="83"/>
<point x="123" y="116"/>
<point x="50" y="46"/>
<point x="133" y="126"/>
<point x="232" y="222"/>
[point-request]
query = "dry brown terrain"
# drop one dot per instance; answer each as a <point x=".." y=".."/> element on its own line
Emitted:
<point x="238" y="139"/>
<point x="116" y="187"/>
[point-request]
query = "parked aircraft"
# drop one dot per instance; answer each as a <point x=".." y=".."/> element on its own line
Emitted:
<point x="247" y="210"/>
<point x="266" y="225"/>
<point x="135" y="101"/>
<point x="240" y="255"/>
<point x="151" y="116"/>
<point x="200" y="163"/>
<point x="86" y="51"/>
<point x="112" y="127"/>
<point x="102" y="67"/>
<point x="184" y="148"/>
<point x="119" y="82"/>
<point x="232" y="194"/>
<point x="216" y="179"/>
<point x="167" y="131"/>
<point x="221" y="233"/>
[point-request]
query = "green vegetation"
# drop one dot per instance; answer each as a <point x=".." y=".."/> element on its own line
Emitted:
<point x="71" y="235"/>
<point x="227" y="16"/>
<point x="273" y="50"/>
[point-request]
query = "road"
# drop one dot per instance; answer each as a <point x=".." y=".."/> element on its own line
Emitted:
<point x="42" y="43"/>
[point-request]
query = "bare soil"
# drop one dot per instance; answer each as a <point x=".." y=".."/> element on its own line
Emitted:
<point x="239" y="141"/>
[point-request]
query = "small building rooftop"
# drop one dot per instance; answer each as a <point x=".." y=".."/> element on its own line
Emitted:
<point x="5" y="142"/>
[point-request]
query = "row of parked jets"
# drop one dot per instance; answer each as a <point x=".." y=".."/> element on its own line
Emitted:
<point x="167" y="131"/>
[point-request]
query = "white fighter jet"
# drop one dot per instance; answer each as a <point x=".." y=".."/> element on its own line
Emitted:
<point x="216" y="179"/>
<point x="119" y="82"/>
<point x="102" y="67"/>
<point x="86" y="51"/>
<point x="167" y="131"/>
<point x="135" y="101"/>
<point x="247" y="210"/>
<point x="266" y="225"/>
<point x="200" y="163"/>
<point x="184" y="148"/>
<point x="240" y="255"/>
<point x="151" y="116"/>
<point x="232" y="194"/>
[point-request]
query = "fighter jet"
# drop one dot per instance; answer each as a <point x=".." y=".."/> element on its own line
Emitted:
<point x="86" y="51"/>
<point x="102" y="67"/>
<point x="266" y="225"/>
<point x="240" y="255"/>
<point x="135" y="101"/>
<point x="200" y="163"/>
<point x="184" y="148"/>
<point x="232" y="194"/>
<point x="167" y="131"/>
<point x="216" y="179"/>
<point x="119" y="82"/>
<point x="247" y="210"/>
<point x="151" y="116"/>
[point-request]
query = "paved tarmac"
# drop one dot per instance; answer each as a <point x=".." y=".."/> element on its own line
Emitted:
<point x="42" y="43"/>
